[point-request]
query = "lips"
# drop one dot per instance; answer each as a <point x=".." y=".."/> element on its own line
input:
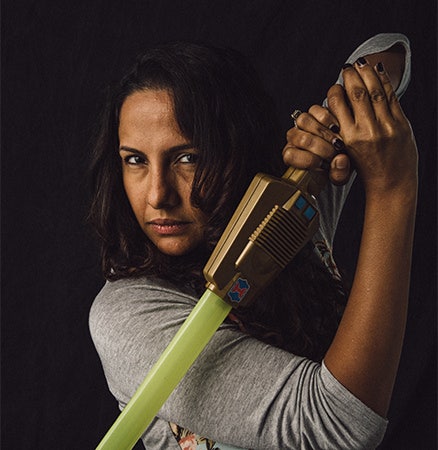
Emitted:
<point x="168" y="226"/>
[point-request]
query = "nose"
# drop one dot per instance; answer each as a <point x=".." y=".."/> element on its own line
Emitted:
<point x="161" y="190"/>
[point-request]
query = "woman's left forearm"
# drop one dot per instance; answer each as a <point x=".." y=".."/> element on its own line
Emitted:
<point x="370" y="335"/>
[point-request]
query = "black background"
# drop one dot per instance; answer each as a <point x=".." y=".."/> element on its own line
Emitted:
<point x="57" y="57"/>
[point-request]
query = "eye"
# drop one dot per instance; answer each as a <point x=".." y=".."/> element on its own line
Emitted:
<point x="133" y="160"/>
<point x="187" y="158"/>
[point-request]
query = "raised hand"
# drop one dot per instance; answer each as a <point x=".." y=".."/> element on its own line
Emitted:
<point x="376" y="133"/>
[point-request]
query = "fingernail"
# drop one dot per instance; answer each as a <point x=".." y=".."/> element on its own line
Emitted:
<point x="361" y="62"/>
<point x="334" y="128"/>
<point x="338" y="144"/>
<point x="380" y="67"/>
<point x="346" y="66"/>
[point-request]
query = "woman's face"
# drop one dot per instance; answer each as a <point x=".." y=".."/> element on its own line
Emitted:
<point x="158" y="165"/>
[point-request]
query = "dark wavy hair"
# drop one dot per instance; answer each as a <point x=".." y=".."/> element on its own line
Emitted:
<point x="222" y="108"/>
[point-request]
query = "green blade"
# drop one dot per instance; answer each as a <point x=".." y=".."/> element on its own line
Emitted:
<point x="173" y="364"/>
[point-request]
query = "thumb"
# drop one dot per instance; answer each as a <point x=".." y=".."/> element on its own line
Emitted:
<point x="340" y="169"/>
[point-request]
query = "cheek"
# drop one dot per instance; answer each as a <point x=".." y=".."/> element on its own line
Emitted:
<point x="201" y="221"/>
<point x="134" y="194"/>
<point x="185" y="192"/>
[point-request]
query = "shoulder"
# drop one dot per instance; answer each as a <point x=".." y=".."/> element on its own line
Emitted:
<point x="131" y="321"/>
<point x="134" y="305"/>
<point x="139" y="292"/>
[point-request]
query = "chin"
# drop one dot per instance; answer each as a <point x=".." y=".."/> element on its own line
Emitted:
<point x="182" y="247"/>
<point x="174" y="249"/>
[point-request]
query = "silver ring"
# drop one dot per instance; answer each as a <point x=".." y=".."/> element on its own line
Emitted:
<point x="297" y="113"/>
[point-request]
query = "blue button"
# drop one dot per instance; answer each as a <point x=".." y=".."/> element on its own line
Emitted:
<point x="301" y="202"/>
<point x="309" y="213"/>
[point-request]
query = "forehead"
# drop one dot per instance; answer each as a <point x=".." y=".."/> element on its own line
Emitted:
<point x="148" y="104"/>
<point x="147" y="121"/>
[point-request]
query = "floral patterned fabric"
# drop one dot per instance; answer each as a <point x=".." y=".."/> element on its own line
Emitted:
<point x="191" y="441"/>
<point x="325" y="253"/>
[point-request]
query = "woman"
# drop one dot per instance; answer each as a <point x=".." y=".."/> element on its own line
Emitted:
<point x="181" y="138"/>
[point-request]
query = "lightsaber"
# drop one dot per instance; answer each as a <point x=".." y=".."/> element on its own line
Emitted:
<point x="274" y="220"/>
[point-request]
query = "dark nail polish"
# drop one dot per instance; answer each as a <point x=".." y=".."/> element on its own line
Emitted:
<point x="338" y="144"/>
<point x="361" y="62"/>
<point x="346" y="66"/>
<point x="380" y="67"/>
<point x="334" y="128"/>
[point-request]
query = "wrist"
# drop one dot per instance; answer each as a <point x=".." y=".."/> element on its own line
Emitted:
<point x="397" y="192"/>
<point x="390" y="210"/>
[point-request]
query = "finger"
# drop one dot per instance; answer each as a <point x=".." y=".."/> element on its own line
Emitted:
<point x="301" y="159"/>
<point x="357" y="94"/>
<point x="308" y="123"/>
<point x="324" y="116"/>
<point x="314" y="138"/>
<point x="340" y="170"/>
<point x="393" y="102"/>
<point x="339" y="106"/>
<point x="377" y="94"/>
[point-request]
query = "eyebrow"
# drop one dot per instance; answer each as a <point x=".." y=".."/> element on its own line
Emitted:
<point x="174" y="149"/>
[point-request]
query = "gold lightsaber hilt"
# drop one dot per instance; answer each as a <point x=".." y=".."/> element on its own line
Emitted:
<point x="274" y="220"/>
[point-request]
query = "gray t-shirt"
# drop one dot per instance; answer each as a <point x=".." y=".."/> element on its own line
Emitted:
<point x="240" y="392"/>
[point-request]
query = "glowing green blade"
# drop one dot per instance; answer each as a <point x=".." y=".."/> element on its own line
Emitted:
<point x="175" y="361"/>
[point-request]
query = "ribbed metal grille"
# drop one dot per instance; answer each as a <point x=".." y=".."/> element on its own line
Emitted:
<point x="281" y="235"/>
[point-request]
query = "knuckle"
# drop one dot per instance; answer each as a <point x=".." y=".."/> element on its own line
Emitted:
<point x="303" y="120"/>
<point x="314" y="110"/>
<point x="294" y="138"/>
<point x="389" y="132"/>
<point x="323" y="115"/>
<point x="386" y="81"/>
<point x="319" y="112"/>
<point x="392" y="98"/>
<point x="377" y="95"/>
<point x="290" y="157"/>
<point x="358" y="94"/>
<point x="305" y="140"/>
<point x="286" y="150"/>
<point x="369" y="137"/>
